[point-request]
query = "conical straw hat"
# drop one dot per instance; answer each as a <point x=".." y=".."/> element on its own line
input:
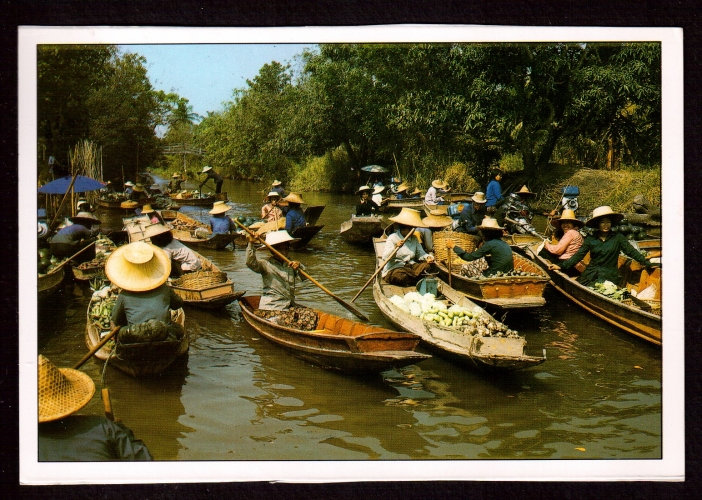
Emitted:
<point x="176" y="175"/>
<point x="146" y="209"/>
<point x="439" y="184"/>
<point x="603" y="211"/>
<point x="85" y="219"/>
<point x="416" y="191"/>
<point x="206" y="168"/>
<point x="62" y="391"/>
<point x="525" y="191"/>
<point x="294" y="198"/>
<point x="490" y="224"/>
<point x="437" y="219"/>
<point x="276" y="183"/>
<point x="220" y="207"/>
<point x="277" y="237"/>
<point x="402" y="187"/>
<point x="129" y="183"/>
<point x="568" y="216"/>
<point x="479" y="197"/>
<point x="138" y="267"/>
<point x="379" y="190"/>
<point x="408" y="217"/>
<point x="139" y="188"/>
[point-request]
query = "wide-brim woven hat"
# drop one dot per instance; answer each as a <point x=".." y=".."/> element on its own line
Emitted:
<point x="220" y="207"/>
<point x="138" y="267"/>
<point x="479" y="197"/>
<point x="378" y="189"/>
<point x="402" y="188"/>
<point x="567" y="216"/>
<point x="206" y="168"/>
<point x="604" y="211"/>
<point x="364" y="188"/>
<point x="139" y="188"/>
<point x="84" y="219"/>
<point x="439" y="184"/>
<point x="408" y="217"/>
<point x="437" y="219"/>
<point x="490" y="224"/>
<point x="416" y="191"/>
<point x="294" y="198"/>
<point x="276" y="183"/>
<point x="129" y="183"/>
<point x="277" y="237"/>
<point x="175" y="176"/>
<point x="147" y="209"/>
<point x="525" y="191"/>
<point x="61" y="391"/>
<point x="129" y="204"/>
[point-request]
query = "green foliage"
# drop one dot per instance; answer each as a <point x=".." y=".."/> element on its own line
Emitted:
<point x="331" y="172"/>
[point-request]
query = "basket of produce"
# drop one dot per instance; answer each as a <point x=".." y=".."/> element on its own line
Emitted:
<point x="467" y="242"/>
<point x="202" y="285"/>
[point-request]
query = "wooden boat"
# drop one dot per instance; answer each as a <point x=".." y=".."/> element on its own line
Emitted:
<point x="312" y="213"/>
<point x="48" y="284"/>
<point x="139" y="359"/>
<point x="208" y="288"/>
<point x="362" y="230"/>
<point x="338" y="343"/>
<point x="485" y="353"/>
<point x="394" y="205"/>
<point x="186" y="229"/>
<point x="117" y="204"/>
<point x="504" y="292"/>
<point x="95" y="268"/>
<point x="305" y="234"/>
<point x="637" y="317"/>
<point x="180" y="200"/>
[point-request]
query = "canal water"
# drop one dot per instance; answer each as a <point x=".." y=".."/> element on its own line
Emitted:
<point x="237" y="396"/>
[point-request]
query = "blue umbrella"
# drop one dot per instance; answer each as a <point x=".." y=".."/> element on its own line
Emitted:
<point x="61" y="185"/>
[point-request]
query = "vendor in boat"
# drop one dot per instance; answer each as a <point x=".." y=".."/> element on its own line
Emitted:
<point x="277" y="186"/>
<point x="604" y="247"/>
<point x="377" y="196"/>
<point x="437" y="188"/>
<point x="182" y="259"/>
<point x="435" y="221"/>
<point x="220" y="223"/>
<point x="271" y="211"/>
<point x="211" y="174"/>
<point x="72" y="238"/>
<point x="411" y="260"/>
<point x="295" y="217"/>
<point x="570" y="242"/>
<point x="401" y="191"/>
<point x="279" y="279"/>
<point x="152" y="214"/>
<point x="497" y="252"/>
<point x="415" y="194"/>
<point x="83" y="206"/>
<point x="175" y="183"/>
<point x="493" y="193"/>
<point x="366" y="206"/>
<point x="138" y="193"/>
<point x="109" y="188"/>
<point x="65" y="437"/>
<point x="472" y="214"/>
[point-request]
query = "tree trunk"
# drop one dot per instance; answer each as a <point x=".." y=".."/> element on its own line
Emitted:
<point x="351" y="153"/>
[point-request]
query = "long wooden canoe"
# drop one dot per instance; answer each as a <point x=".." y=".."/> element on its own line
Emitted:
<point x="486" y="353"/>
<point x="184" y="230"/>
<point x="338" y="343"/>
<point x="362" y="230"/>
<point x="504" y="292"/>
<point x="204" y="201"/>
<point x="640" y="318"/>
<point x="139" y="359"/>
<point x="208" y="288"/>
<point x="48" y="284"/>
<point x="394" y="205"/>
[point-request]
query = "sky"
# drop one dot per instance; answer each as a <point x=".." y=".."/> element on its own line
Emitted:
<point x="206" y="74"/>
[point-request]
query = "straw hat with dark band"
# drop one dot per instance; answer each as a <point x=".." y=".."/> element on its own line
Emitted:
<point x="490" y="224"/>
<point x="364" y="188"/>
<point x="62" y="391"/>
<point x="439" y="184"/>
<point x="437" y="219"/>
<point x="220" y="207"/>
<point x="276" y="183"/>
<point x="84" y="219"/>
<point x="603" y="211"/>
<point x="408" y="217"/>
<point x="138" y="267"/>
<point x="567" y="216"/>
<point x="294" y="198"/>
<point x="479" y="197"/>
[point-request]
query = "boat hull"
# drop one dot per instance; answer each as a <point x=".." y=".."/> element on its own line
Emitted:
<point x="198" y="202"/>
<point x="209" y="288"/>
<point x="305" y="234"/>
<point x="361" y="230"/>
<point x="338" y="343"/>
<point x="48" y="284"/>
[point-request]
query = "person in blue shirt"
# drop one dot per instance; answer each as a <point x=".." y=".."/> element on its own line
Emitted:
<point x="211" y="174"/>
<point x="72" y="238"/>
<point x="493" y="193"/>
<point x="295" y="217"/>
<point x="472" y="215"/>
<point x="219" y="222"/>
<point x="277" y="187"/>
<point x="497" y="252"/>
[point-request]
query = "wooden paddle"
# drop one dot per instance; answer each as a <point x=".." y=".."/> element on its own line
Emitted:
<point x="380" y="268"/>
<point x="99" y="345"/>
<point x="275" y="252"/>
<point x="448" y="264"/>
<point x="70" y="258"/>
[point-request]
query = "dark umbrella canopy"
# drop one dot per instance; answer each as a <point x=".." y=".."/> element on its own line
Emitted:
<point x="61" y="185"/>
<point x="376" y="169"/>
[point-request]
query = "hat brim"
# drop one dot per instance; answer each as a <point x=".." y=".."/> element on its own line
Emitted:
<point x="576" y="222"/>
<point x="595" y="221"/>
<point x="82" y="391"/>
<point x="136" y="278"/>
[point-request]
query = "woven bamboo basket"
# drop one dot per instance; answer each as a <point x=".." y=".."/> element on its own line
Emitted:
<point x="656" y="307"/>
<point x="467" y="242"/>
<point x="202" y="285"/>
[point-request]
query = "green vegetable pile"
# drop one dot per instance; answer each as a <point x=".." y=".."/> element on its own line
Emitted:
<point x="101" y="306"/>
<point x="611" y="290"/>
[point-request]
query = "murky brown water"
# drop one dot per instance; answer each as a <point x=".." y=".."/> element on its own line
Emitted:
<point x="236" y="396"/>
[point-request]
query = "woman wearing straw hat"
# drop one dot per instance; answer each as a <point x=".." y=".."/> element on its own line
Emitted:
<point x="141" y="270"/>
<point x="435" y="221"/>
<point x="472" y="214"/>
<point x="175" y="182"/>
<point x="152" y="214"/>
<point x="401" y="191"/>
<point x="411" y="260"/>
<point x="497" y="253"/>
<point x="138" y="193"/>
<point x="433" y="193"/>
<point x="128" y="188"/>
<point x="182" y="259"/>
<point x="271" y="211"/>
<point x="277" y="186"/>
<point x="377" y="196"/>
<point x="279" y="278"/>
<point x="72" y="238"/>
<point x="220" y="223"/>
<point x="570" y="242"/>
<point x="211" y="174"/>
<point x="366" y="206"/>
<point x="604" y="248"/>
<point x="295" y="217"/>
<point x="65" y="437"/>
